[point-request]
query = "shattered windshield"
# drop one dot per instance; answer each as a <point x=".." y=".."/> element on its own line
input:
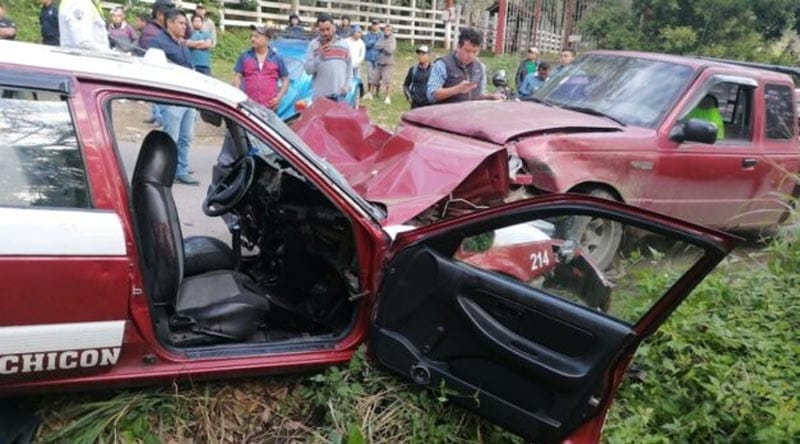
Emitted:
<point x="271" y="120"/>
<point x="634" y="91"/>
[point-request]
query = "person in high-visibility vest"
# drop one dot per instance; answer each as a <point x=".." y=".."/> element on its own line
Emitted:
<point x="81" y="25"/>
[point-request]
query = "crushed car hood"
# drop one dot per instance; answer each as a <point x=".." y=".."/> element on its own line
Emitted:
<point x="408" y="171"/>
<point x="499" y="122"/>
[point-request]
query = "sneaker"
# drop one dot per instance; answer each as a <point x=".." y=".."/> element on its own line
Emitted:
<point x="387" y="100"/>
<point x="367" y="96"/>
<point x="190" y="171"/>
<point x="187" y="180"/>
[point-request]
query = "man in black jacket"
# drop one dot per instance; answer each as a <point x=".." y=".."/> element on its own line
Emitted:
<point x="48" y="23"/>
<point x="416" y="83"/>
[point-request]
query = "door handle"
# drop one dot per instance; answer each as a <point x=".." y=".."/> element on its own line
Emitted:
<point x="748" y="163"/>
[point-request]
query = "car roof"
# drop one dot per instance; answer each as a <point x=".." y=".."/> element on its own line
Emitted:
<point x="699" y="63"/>
<point x="151" y="70"/>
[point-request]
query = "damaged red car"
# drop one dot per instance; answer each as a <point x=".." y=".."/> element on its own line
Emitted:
<point x="323" y="248"/>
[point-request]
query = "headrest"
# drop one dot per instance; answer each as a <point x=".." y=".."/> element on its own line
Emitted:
<point x="157" y="160"/>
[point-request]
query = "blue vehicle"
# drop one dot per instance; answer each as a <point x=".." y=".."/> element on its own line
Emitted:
<point x="298" y="96"/>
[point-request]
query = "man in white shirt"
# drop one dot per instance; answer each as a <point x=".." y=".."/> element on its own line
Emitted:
<point x="81" y="25"/>
<point x="357" y="50"/>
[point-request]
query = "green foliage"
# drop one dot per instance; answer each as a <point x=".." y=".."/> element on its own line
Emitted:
<point x="737" y="29"/>
<point x="724" y="367"/>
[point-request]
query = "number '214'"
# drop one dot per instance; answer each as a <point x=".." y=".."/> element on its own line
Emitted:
<point x="539" y="259"/>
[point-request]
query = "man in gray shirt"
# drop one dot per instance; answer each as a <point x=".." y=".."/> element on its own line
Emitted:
<point x="328" y="62"/>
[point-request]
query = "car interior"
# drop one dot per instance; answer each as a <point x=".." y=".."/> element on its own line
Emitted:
<point x="283" y="271"/>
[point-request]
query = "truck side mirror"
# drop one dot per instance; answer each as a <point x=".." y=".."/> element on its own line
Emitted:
<point x="694" y="130"/>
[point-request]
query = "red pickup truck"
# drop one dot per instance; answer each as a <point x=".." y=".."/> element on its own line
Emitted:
<point x="615" y="125"/>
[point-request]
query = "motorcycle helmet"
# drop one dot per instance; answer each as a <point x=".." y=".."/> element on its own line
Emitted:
<point x="499" y="79"/>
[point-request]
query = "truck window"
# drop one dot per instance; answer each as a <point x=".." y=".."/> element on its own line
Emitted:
<point x="779" y="103"/>
<point x="40" y="159"/>
<point x="736" y="106"/>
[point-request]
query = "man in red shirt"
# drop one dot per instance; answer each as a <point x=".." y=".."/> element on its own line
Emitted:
<point x="259" y="69"/>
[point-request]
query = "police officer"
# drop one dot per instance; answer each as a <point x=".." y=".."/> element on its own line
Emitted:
<point x="81" y="25"/>
<point x="459" y="76"/>
<point x="48" y="23"/>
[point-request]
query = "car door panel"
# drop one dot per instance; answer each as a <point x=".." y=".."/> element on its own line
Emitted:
<point x="461" y="314"/>
<point x="512" y="351"/>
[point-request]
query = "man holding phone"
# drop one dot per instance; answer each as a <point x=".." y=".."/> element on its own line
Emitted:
<point x="328" y="62"/>
<point x="460" y="76"/>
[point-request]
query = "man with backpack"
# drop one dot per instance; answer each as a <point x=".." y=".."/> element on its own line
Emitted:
<point x="416" y="82"/>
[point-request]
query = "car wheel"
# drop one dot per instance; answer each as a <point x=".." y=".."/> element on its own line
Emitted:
<point x="599" y="237"/>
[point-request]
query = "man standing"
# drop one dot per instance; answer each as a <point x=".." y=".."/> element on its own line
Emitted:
<point x="346" y="29"/>
<point x="155" y="26"/>
<point x="199" y="44"/>
<point x="371" y="55"/>
<point x="48" y="23"/>
<point x="121" y="35"/>
<point x="259" y="69"/>
<point x="460" y="76"/>
<point x="566" y="59"/>
<point x="382" y="74"/>
<point x="81" y="25"/>
<point x="534" y="81"/>
<point x="208" y="23"/>
<point x="328" y="62"/>
<point x="8" y="29"/>
<point x="416" y="83"/>
<point x="357" y="50"/>
<point x="528" y="66"/>
<point x="178" y="120"/>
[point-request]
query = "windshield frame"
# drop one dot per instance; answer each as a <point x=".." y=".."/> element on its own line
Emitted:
<point x="545" y="93"/>
<point x="270" y="121"/>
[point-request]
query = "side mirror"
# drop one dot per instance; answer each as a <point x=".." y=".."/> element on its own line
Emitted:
<point x="694" y="130"/>
<point x="211" y="118"/>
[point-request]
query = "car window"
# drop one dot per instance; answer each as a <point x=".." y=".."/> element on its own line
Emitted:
<point x="558" y="257"/>
<point x="779" y="101"/>
<point x="40" y="159"/>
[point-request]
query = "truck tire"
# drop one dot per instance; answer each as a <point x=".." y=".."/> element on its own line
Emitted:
<point x="600" y="238"/>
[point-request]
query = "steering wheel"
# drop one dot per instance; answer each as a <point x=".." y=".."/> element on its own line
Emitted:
<point x="230" y="190"/>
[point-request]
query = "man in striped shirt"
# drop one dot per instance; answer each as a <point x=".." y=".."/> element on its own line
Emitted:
<point x="328" y="62"/>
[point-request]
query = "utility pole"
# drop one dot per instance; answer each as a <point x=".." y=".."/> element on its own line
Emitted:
<point x="569" y="22"/>
<point x="537" y="21"/>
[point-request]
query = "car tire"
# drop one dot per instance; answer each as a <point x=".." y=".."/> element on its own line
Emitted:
<point x="600" y="238"/>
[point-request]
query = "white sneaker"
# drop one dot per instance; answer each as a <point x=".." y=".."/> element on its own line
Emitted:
<point x="367" y="96"/>
<point x="387" y="100"/>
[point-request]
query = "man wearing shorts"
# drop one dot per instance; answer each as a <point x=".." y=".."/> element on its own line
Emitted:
<point x="381" y="76"/>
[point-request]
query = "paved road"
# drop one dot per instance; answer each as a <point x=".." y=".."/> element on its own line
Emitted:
<point x="188" y="198"/>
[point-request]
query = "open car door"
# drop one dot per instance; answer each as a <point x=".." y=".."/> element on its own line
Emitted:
<point x="520" y="326"/>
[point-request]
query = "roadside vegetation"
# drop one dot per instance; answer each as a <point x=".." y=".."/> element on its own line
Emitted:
<point x="724" y="368"/>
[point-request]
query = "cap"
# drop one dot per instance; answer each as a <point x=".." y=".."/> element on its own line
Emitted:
<point x="200" y="6"/>
<point x="356" y="28"/>
<point x="423" y="48"/>
<point x="263" y="30"/>
<point x="533" y="49"/>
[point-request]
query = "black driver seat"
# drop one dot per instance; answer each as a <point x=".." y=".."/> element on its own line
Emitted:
<point x="216" y="304"/>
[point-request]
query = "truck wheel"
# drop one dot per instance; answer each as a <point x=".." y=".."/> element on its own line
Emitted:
<point x="598" y="236"/>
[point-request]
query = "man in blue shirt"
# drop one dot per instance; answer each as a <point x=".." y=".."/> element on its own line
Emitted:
<point x="199" y="46"/>
<point x="534" y="81"/>
<point x="178" y="120"/>
<point x="371" y="55"/>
